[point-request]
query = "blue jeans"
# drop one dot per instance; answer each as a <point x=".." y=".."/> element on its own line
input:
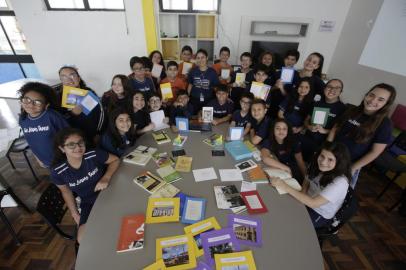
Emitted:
<point x="317" y="220"/>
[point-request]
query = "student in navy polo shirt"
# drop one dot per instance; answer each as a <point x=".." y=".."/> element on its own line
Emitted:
<point x="39" y="121"/>
<point x="316" y="134"/>
<point x="180" y="108"/>
<point x="280" y="89"/>
<point x="120" y="134"/>
<point x="91" y="124"/>
<point x="260" y="122"/>
<point x="222" y="106"/>
<point x="296" y="107"/>
<point x="312" y="68"/>
<point x="242" y="118"/>
<point x="138" y="79"/>
<point x="82" y="171"/>
<point x="118" y="95"/>
<point x="282" y="151"/>
<point x="239" y="88"/>
<point x="140" y="114"/>
<point x="266" y="58"/>
<point x="366" y="129"/>
<point x="201" y="80"/>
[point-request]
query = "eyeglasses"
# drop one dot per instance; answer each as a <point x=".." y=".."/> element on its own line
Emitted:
<point x="245" y="102"/>
<point x="35" y="102"/>
<point x="333" y="88"/>
<point x="70" y="77"/>
<point x="72" y="145"/>
<point x="138" y="69"/>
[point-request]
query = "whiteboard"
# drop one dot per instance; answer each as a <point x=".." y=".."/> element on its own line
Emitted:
<point x="386" y="45"/>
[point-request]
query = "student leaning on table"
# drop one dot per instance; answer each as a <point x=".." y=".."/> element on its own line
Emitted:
<point x="324" y="191"/>
<point x="82" y="171"/>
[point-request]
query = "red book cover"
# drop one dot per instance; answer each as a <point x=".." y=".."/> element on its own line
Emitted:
<point x="254" y="202"/>
<point x="131" y="233"/>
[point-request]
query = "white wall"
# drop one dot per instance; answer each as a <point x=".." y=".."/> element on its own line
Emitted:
<point x="96" y="42"/>
<point x="344" y="65"/>
<point x="234" y="24"/>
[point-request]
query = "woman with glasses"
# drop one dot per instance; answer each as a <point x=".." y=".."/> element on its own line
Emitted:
<point x="82" y="171"/>
<point x="39" y="121"/>
<point x="91" y="124"/>
<point x="316" y="133"/>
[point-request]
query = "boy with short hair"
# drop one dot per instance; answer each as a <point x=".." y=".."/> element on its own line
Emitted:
<point x="222" y="105"/>
<point x="176" y="82"/>
<point x="180" y="108"/>
<point x="260" y="122"/>
<point x="139" y="80"/>
<point x="223" y="64"/>
<point x="243" y="118"/>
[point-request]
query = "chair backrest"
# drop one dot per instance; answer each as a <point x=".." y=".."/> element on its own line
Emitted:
<point x="346" y="211"/>
<point x="400" y="141"/>
<point x="399" y="117"/>
<point x="51" y="205"/>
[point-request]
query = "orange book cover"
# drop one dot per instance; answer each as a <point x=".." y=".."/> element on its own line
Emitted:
<point x="257" y="175"/>
<point x="131" y="233"/>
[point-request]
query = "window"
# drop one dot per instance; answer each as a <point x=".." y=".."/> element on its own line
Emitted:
<point x="3" y="4"/>
<point x="190" y="6"/>
<point x="16" y="61"/>
<point x="87" y="5"/>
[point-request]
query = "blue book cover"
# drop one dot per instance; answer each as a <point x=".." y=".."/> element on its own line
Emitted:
<point x="193" y="210"/>
<point x="238" y="150"/>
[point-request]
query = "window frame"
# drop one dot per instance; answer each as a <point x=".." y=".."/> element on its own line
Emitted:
<point x="190" y="8"/>
<point x="14" y="58"/>
<point x="85" y="8"/>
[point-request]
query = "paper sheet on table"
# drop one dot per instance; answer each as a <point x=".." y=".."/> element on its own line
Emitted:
<point x="194" y="210"/>
<point x="157" y="118"/>
<point x="248" y="186"/>
<point x="156" y="71"/>
<point x="230" y="175"/>
<point x="293" y="183"/>
<point x="204" y="174"/>
<point x="287" y="75"/>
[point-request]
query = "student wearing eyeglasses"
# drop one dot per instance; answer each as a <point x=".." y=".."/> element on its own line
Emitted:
<point x="83" y="171"/>
<point x="39" y="121"/>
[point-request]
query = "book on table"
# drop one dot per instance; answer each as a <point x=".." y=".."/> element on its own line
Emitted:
<point x="149" y="182"/>
<point x="131" y="233"/>
<point x="179" y="141"/>
<point x="247" y="229"/>
<point x="161" y="210"/>
<point x="161" y="137"/>
<point x="168" y="174"/>
<point x="196" y="229"/>
<point x="254" y="202"/>
<point x="158" y="265"/>
<point x="258" y="176"/>
<point x="140" y="156"/>
<point x="177" y="252"/>
<point x="193" y="210"/>
<point x="228" y="197"/>
<point x="162" y="159"/>
<point x="238" y="150"/>
<point x="165" y="191"/>
<point x="184" y="164"/>
<point x="285" y="176"/>
<point x="236" y="260"/>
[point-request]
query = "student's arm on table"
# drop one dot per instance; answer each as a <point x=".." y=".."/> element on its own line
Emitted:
<point x="112" y="165"/>
<point x="269" y="160"/>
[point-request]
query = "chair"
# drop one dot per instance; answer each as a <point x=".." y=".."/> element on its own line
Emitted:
<point x="387" y="161"/>
<point x="17" y="146"/>
<point x="346" y="211"/>
<point x="51" y="206"/>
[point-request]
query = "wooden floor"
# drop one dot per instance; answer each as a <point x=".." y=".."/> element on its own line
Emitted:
<point x="373" y="239"/>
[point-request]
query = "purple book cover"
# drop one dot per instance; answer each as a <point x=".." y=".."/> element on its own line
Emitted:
<point x="247" y="229"/>
<point x="219" y="242"/>
<point x="202" y="266"/>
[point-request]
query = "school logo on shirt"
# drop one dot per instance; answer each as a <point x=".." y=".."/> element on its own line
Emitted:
<point x="83" y="179"/>
<point x="36" y="129"/>
<point x="201" y="83"/>
<point x="354" y="122"/>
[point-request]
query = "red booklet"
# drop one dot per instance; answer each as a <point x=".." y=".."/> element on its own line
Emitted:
<point x="131" y="233"/>
<point x="254" y="202"/>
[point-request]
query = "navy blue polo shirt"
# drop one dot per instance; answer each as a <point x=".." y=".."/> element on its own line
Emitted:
<point x="241" y="121"/>
<point x="141" y="119"/>
<point x="262" y="128"/>
<point x="146" y="86"/>
<point x="220" y="111"/>
<point x="106" y="142"/>
<point x="284" y="155"/>
<point x="294" y="117"/>
<point x="382" y="135"/>
<point x="40" y="132"/>
<point x="202" y="83"/>
<point x="179" y="111"/>
<point x="82" y="181"/>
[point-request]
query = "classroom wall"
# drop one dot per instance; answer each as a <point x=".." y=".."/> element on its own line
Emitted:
<point x="96" y="42"/>
<point x="235" y="17"/>
<point x="344" y="64"/>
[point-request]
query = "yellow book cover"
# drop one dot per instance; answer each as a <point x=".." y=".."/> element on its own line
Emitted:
<point x="72" y="96"/>
<point x="250" y="146"/>
<point x="196" y="229"/>
<point x="162" y="210"/>
<point x="158" y="265"/>
<point x="236" y="260"/>
<point x="240" y="78"/>
<point x="166" y="91"/>
<point x="184" y="164"/>
<point x="177" y="252"/>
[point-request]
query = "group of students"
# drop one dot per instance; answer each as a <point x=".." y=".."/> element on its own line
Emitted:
<point x="86" y="148"/>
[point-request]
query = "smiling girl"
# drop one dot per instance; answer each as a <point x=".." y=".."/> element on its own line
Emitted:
<point x="118" y="95"/>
